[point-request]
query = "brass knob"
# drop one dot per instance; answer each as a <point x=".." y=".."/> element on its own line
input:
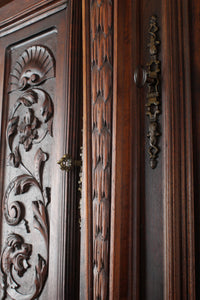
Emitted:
<point x="67" y="163"/>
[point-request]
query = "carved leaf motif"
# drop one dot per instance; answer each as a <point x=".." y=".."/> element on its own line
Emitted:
<point x="47" y="196"/>
<point x="28" y="98"/>
<point x="50" y="127"/>
<point x="20" y="184"/>
<point x="47" y="107"/>
<point x="13" y="213"/>
<point x="41" y="275"/>
<point x="23" y="183"/>
<point x="14" y="158"/>
<point x="40" y="218"/>
<point x="40" y="157"/>
<point x="12" y="129"/>
<point x="28" y="129"/>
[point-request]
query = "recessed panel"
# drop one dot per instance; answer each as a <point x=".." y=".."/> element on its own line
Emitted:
<point x="29" y="109"/>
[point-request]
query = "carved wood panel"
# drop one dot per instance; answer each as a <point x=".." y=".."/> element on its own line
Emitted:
<point x="29" y="107"/>
<point x="101" y="97"/>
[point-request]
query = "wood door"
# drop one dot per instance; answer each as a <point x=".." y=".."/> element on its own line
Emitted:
<point x="40" y="121"/>
<point x="139" y="227"/>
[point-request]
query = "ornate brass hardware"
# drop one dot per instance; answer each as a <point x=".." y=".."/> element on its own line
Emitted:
<point x="150" y="75"/>
<point x="67" y="163"/>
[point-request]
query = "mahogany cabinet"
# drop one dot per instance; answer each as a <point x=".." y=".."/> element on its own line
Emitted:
<point x="119" y="80"/>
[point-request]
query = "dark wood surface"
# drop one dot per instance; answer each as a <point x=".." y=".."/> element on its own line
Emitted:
<point x="120" y="284"/>
<point x="194" y="11"/>
<point x="137" y="207"/>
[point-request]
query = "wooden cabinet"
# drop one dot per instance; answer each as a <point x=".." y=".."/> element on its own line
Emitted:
<point x="121" y="79"/>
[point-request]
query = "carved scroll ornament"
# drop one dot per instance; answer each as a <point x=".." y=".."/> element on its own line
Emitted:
<point x="29" y="122"/>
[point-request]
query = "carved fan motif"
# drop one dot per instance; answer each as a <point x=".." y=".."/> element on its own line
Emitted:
<point x="34" y="66"/>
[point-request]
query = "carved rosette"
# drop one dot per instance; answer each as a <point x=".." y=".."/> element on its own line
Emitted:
<point x="101" y="94"/>
<point x="30" y="121"/>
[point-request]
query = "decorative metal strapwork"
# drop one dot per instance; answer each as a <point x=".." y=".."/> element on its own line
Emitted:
<point x="150" y="74"/>
<point x="153" y="94"/>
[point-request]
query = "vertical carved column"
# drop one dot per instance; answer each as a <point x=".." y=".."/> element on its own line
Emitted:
<point x="101" y="97"/>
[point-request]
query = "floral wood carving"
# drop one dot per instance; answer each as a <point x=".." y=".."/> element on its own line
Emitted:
<point x="101" y="94"/>
<point x="26" y="125"/>
<point x="30" y="121"/>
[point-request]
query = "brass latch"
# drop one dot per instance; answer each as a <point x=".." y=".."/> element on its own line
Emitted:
<point x="67" y="163"/>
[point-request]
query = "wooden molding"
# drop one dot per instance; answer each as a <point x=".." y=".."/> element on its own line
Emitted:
<point x="101" y="101"/>
<point x="74" y="142"/>
<point x="97" y="74"/>
<point x="86" y="266"/>
<point x="178" y="153"/>
<point x="126" y="160"/>
<point x="28" y="15"/>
